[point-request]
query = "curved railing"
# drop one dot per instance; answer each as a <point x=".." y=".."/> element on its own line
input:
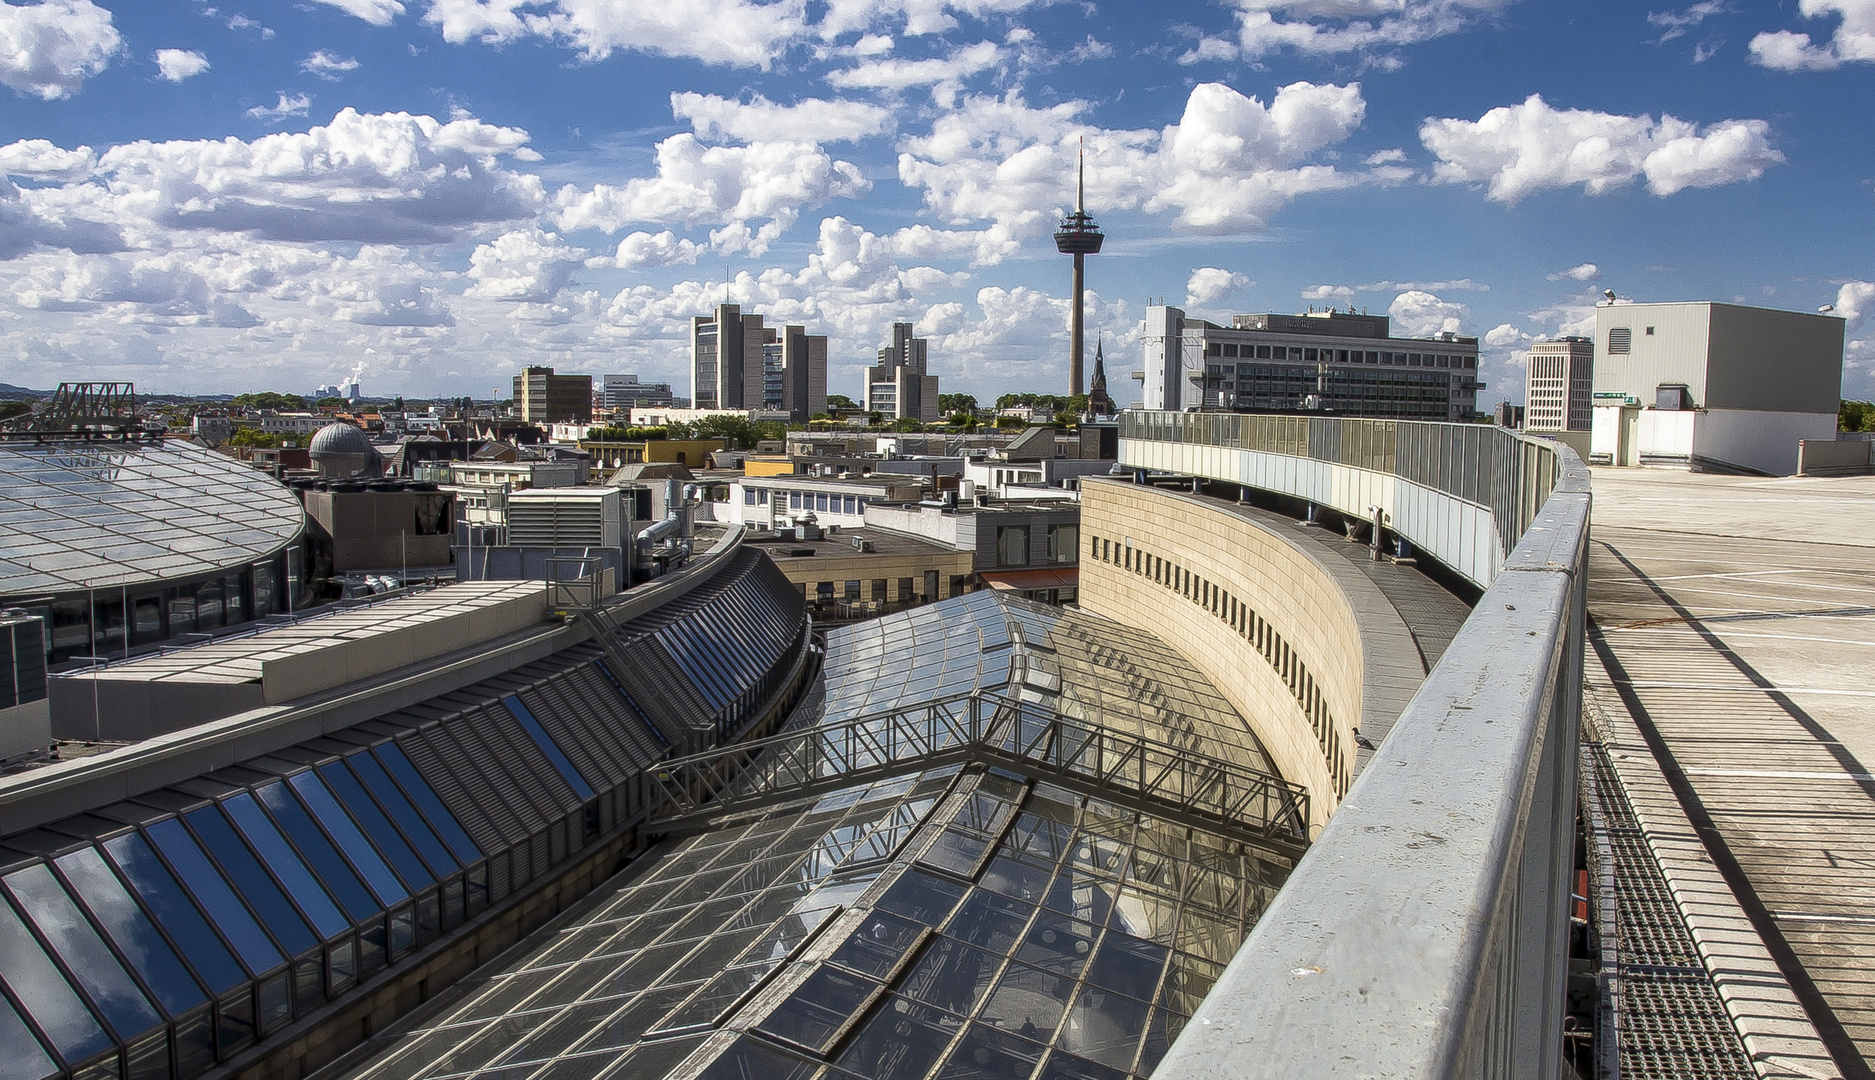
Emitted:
<point x="1424" y="933"/>
<point x="1463" y="493"/>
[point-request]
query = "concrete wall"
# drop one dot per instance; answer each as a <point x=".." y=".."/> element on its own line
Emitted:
<point x="1765" y="441"/>
<point x="1827" y="457"/>
<point x="1296" y="598"/>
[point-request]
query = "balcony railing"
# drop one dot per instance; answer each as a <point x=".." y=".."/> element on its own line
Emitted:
<point x="1424" y="933"/>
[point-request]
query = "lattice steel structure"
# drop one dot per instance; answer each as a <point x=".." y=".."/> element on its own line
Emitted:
<point x="990" y="727"/>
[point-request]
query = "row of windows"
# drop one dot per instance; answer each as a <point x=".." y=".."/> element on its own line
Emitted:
<point x="882" y="590"/>
<point x="99" y="624"/>
<point x="1012" y="544"/>
<point x="819" y="501"/>
<point x="1340" y="356"/>
<point x="1249" y="625"/>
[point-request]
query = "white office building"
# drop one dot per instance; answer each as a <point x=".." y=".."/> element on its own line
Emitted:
<point x="1559" y="385"/>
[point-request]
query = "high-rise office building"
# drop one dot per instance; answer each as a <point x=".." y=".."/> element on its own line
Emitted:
<point x="738" y="363"/>
<point x="898" y="386"/>
<point x="625" y="391"/>
<point x="1559" y="385"/>
<point x="546" y="398"/>
<point x="1327" y="361"/>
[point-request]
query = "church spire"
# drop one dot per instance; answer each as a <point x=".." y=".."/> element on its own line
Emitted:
<point x="1098" y="401"/>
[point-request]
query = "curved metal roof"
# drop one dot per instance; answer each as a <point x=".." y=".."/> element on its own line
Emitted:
<point x="82" y="515"/>
<point x="339" y="438"/>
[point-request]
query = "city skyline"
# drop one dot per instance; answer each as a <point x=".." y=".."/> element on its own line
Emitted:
<point x="224" y="199"/>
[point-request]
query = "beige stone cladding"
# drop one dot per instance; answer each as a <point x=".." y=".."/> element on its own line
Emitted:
<point x="1265" y="623"/>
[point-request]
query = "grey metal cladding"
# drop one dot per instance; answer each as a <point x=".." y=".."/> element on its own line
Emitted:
<point x="1774" y="361"/>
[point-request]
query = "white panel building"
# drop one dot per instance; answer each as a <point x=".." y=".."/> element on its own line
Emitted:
<point x="1713" y="386"/>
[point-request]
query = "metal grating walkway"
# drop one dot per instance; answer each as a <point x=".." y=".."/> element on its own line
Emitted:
<point x="992" y="728"/>
<point x="1669" y="1021"/>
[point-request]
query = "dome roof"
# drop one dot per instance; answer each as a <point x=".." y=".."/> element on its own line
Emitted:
<point x="340" y="439"/>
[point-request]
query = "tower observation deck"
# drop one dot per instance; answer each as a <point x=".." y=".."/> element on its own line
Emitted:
<point x="1079" y="236"/>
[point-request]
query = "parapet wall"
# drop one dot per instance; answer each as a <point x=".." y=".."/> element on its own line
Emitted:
<point x="1257" y="613"/>
<point x="1424" y="933"/>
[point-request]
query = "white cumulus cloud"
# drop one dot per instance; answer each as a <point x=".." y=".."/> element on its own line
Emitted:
<point x="1328" y="27"/>
<point x="1420" y="314"/>
<point x="1852" y="42"/>
<point x="1855" y="299"/>
<point x="942" y="73"/>
<point x="1228" y="164"/>
<point x="328" y="65"/>
<point x="643" y="250"/>
<point x="525" y="264"/>
<point x="371" y="178"/>
<point x="1340" y="293"/>
<point x="1517" y="150"/>
<point x="176" y="65"/>
<point x="742" y="33"/>
<point x="917" y="17"/>
<point x="732" y="186"/>
<point x="375" y="12"/>
<point x="1209" y="284"/>
<point x="815" y="120"/>
<point x="296" y="105"/>
<point x="1504" y="335"/>
<point x="1579" y="272"/>
<point x="39" y="159"/>
<point x="48" y="49"/>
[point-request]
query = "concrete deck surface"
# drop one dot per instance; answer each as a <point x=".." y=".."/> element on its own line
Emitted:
<point x="1735" y="639"/>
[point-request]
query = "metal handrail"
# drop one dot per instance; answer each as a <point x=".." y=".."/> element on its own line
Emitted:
<point x="1424" y="933"/>
<point x="992" y="726"/>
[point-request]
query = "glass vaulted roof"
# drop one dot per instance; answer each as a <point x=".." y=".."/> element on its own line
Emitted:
<point x="80" y="515"/>
<point x="957" y="923"/>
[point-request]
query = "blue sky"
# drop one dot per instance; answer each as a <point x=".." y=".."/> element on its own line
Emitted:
<point x="251" y="195"/>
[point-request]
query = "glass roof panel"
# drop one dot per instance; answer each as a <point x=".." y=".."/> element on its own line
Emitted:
<point x="92" y="515"/>
<point x="948" y="923"/>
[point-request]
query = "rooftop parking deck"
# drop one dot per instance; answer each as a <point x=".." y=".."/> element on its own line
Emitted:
<point x="1735" y="625"/>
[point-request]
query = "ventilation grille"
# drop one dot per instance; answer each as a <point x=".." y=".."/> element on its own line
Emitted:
<point x="1620" y="341"/>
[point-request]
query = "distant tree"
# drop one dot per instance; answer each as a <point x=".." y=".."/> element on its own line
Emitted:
<point x="268" y="399"/>
<point x="840" y="401"/>
<point x="11" y="409"/>
<point x="959" y="419"/>
<point x="330" y="403"/>
<point x="737" y="432"/>
<point x="1032" y="401"/>
<point x="818" y="417"/>
<point x="1855" y="416"/>
<point x="254" y="438"/>
<point x="875" y="417"/>
<point x="906" y="424"/>
<point x="626" y="434"/>
<point x="957" y="403"/>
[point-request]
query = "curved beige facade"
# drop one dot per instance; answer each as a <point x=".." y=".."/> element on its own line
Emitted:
<point x="1279" y="637"/>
